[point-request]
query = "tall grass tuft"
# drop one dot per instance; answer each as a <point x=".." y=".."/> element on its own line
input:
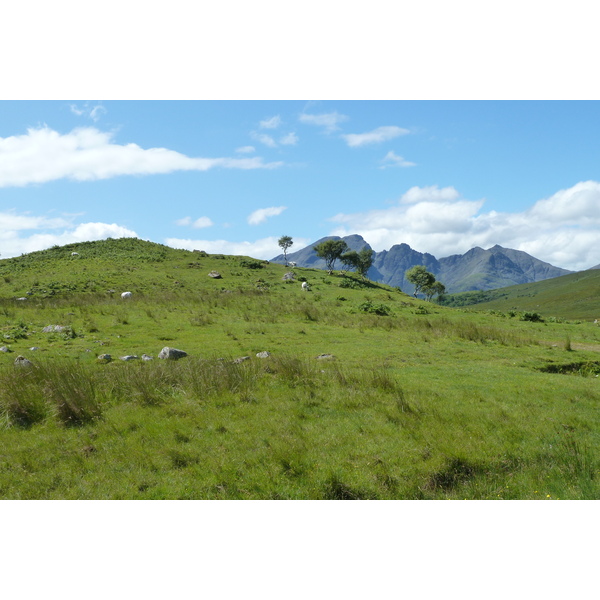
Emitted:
<point x="71" y="389"/>
<point x="22" y="397"/>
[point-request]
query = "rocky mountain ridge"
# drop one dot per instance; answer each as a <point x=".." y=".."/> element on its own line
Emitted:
<point x="477" y="269"/>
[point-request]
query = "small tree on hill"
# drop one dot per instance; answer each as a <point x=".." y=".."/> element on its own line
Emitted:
<point x="361" y="261"/>
<point x="437" y="288"/>
<point x="330" y="251"/>
<point x="285" y="242"/>
<point x="420" y="277"/>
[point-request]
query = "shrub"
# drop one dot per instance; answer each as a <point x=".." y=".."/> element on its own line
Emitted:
<point x="531" y="316"/>
<point x="375" y="309"/>
<point x="251" y="263"/>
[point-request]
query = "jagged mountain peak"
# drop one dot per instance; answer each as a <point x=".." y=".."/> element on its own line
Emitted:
<point x="476" y="269"/>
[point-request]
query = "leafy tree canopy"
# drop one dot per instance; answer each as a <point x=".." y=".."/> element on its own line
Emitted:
<point x="330" y="251"/>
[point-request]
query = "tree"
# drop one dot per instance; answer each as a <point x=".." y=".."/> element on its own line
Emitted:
<point x="330" y="251"/>
<point x="436" y="288"/>
<point x="285" y="242"/>
<point x="420" y="277"/>
<point x="360" y="261"/>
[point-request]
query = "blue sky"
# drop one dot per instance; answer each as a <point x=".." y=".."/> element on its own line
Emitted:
<point x="233" y="176"/>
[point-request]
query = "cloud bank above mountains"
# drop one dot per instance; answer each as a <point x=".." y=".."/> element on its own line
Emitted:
<point x="561" y="229"/>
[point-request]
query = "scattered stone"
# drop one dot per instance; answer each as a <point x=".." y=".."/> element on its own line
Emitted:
<point x="289" y="276"/>
<point x="171" y="353"/>
<point x="264" y="354"/>
<point x="21" y="299"/>
<point x="129" y="357"/>
<point x="104" y="358"/>
<point x="21" y="361"/>
<point x="5" y="349"/>
<point x="146" y="357"/>
<point x="215" y="275"/>
<point x="237" y="361"/>
<point x="53" y="328"/>
<point x="325" y="357"/>
<point x="34" y="348"/>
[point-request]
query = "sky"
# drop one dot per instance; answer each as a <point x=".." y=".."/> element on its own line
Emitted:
<point x="232" y="176"/>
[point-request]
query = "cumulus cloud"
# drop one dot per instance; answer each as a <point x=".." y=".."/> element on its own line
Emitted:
<point x="272" y="123"/>
<point x="329" y="121"/>
<point x="23" y="233"/>
<point x="381" y="134"/>
<point x="87" y="154"/>
<point x="262" y="214"/>
<point x="561" y="229"/>
<point x="391" y="159"/>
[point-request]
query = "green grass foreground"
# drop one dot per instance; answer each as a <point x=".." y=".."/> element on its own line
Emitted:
<point x="416" y="401"/>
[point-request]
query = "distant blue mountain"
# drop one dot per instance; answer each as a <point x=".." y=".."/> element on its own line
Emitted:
<point x="477" y="269"/>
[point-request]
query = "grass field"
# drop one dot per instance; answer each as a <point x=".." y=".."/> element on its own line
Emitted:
<point x="411" y="400"/>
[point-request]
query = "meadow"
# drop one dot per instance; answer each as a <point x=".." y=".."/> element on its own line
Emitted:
<point x="367" y="393"/>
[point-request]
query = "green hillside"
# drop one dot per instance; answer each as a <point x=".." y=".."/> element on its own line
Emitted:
<point x="362" y="391"/>
<point x="575" y="296"/>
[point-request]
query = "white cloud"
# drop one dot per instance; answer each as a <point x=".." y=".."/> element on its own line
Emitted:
<point x="330" y="121"/>
<point x="265" y="139"/>
<point x="265" y="248"/>
<point x="94" y="112"/>
<point x="246" y="150"/>
<point x="51" y="231"/>
<point x="291" y="139"/>
<point x="272" y="123"/>
<point x="262" y="214"/>
<point x="391" y="159"/>
<point x="561" y="229"/>
<point x="430" y="193"/>
<point x="87" y="154"/>
<point x="202" y="223"/>
<point x="381" y="134"/>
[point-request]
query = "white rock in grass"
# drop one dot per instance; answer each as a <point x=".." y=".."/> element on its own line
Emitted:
<point x="21" y="361"/>
<point x="129" y="357"/>
<point x="264" y="354"/>
<point x="171" y="353"/>
<point x="146" y="357"/>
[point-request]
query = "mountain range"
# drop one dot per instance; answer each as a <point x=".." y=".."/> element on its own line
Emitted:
<point x="477" y="269"/>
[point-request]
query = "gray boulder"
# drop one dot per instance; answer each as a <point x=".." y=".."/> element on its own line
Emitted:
<point x="264" y="354"/>
<point x="104" y="358"/>
<point x="129" y="357"/>
<point x="171" y="353"/>
<point x="21" y="361"/>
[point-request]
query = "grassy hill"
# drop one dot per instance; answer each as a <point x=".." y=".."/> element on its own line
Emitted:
<point x="366" y="392"/>
<point x="575" y="296"/>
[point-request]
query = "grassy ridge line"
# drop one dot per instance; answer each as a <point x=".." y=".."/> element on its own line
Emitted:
<point x="421" y="402"/>
<point x="573" y="296"/>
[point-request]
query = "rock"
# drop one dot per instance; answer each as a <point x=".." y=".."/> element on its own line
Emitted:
<point x="146" y="357"/>
<point x="34" y="348"/>
<point x="237" y="361"/>
<point x="21" y="299"/>
<point x="289" y="276"/>
<point x="171" y="353"/>
<point x="215" y="275"/>
<point x="264" y="354"/>
<point x="53" y="328"/>
<point x="5" y="349"/>
<point x="21" y="361"/>
<point x="104" y="358"/>
<point x="129" y="357"/>
<point x="325" y="357"/>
